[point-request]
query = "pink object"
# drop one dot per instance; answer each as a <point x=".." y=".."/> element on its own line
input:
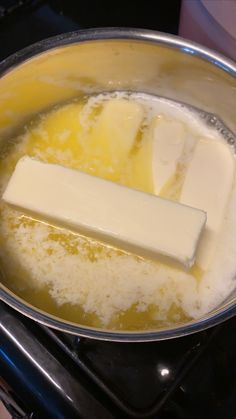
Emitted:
<point x="211" y="23"/>
<point x="3" y="413"/>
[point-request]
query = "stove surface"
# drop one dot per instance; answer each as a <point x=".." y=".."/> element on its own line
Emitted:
<point x="47" y="374"/>
<point x="56" y="375"/>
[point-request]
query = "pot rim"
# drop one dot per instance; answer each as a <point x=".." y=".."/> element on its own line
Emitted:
<point x="96" y="34"/>
<point x="112" y="33"/>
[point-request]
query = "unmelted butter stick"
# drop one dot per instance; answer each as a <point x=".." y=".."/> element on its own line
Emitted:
<point x="207" y="185"/>
<point x="168" y="138"/>
<point x="135" y="221"/>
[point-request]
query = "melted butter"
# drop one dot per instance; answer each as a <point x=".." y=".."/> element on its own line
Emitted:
<point x="42" y="299"/>
<point x="172" y="188"/>
<point x="61" y="137"/>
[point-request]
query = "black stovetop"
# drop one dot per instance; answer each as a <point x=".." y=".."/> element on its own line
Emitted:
<point x="48" y="374"/>
<point x="23" y="22"/>
<point x="55" y="375"/>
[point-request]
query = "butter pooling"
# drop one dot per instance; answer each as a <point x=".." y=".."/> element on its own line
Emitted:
<point x="110" y="285"/>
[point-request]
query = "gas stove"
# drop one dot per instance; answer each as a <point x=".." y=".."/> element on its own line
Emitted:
<point x="48" y="374"/>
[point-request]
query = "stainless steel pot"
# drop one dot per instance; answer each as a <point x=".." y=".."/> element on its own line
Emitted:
<point x="99" y="60"/>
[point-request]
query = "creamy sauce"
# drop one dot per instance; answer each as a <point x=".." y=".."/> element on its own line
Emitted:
<point x="82" y="280"/>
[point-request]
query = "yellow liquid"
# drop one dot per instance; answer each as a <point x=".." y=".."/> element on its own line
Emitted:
<point x="60" y="136"/>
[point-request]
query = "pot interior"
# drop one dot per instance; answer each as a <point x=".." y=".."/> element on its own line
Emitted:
<point x="79" y="65"/>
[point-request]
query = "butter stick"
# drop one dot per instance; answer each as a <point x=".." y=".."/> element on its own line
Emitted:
<point x="207" y="185"/>
<point x="137" y="222"/>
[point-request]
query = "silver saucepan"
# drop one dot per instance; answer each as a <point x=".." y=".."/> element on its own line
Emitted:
<point x="98" y="60"/>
